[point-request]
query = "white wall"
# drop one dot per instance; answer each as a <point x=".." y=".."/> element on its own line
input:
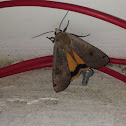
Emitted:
<point x="19" y="24"/>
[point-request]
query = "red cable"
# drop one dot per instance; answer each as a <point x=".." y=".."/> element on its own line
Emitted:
<point x="26" y="63"/>
<point x="27" y="68"/>
<point x="117" y="61"/>
<point x="66" y="6"/>
<point x="113" y="73"/>
<point x="47" y="62"/>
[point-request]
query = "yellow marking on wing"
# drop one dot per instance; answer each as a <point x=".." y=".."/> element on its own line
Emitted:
<point x="79" y="72"/>
<point x="78" y="59"/>
<point x="71" y="62"/>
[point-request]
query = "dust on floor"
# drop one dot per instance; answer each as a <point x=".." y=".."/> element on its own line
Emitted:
<point x="28" y="99"/>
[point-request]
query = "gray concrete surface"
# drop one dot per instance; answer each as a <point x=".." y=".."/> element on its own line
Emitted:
<point x="28" y="99"/>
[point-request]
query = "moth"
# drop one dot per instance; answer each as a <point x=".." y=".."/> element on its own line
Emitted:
<point x="71" y="55"/>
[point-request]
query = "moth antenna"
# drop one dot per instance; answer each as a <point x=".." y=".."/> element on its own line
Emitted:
<point x="63" y="19"/>
<point x="42" y="34"/>
<point x="66" y="27"/>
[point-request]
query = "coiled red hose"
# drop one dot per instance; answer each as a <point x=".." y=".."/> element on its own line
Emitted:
<point x="47" y="61"/>
<point x="66" y="6"/>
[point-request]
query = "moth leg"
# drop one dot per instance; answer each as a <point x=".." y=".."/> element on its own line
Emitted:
<point x="80" y="35"/>
<point x="51" y="38"/>
<point x="66" y="27"/>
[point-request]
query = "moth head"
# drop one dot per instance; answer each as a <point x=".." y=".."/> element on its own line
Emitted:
<point x="57" y="31"/>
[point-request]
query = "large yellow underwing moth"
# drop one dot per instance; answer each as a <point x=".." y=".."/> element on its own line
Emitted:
<point x="72" y="55"/>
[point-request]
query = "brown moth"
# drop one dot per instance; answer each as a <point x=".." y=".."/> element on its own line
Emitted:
<point x="71" y="55"/>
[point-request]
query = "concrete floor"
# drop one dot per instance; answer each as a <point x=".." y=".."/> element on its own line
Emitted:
<point x="28" y="99"/>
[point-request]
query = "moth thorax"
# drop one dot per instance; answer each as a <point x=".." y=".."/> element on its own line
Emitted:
<point x="57" y="30"/>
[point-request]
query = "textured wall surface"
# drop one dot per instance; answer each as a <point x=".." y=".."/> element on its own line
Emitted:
<point x="19" y="24"/>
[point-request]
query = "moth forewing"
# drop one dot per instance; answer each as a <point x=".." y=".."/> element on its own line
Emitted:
<point x="92" y="56"/>
<point x="60" y="75"/>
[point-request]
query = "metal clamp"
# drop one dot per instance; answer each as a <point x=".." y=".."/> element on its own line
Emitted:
<point x="86" y="74"/>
